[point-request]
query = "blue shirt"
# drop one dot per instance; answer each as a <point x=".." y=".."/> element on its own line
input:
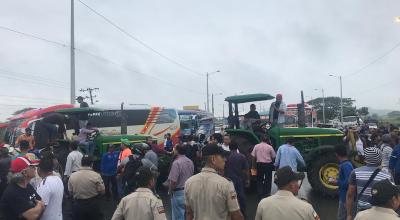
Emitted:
<point x="394" y="162"/>
<point x="345" y="169"/>
<point x="288" y="155"/>
<point x="109" y="162"/>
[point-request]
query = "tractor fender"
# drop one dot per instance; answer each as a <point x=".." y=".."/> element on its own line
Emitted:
<point x="317" y="152"/>
<point x="249" y="135"/>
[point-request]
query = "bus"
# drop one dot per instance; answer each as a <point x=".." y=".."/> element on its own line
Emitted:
<point x="141" y="119"/>
<point x="190" y="120"/>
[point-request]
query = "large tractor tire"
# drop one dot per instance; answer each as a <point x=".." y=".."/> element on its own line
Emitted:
<point x="320" y="170"/>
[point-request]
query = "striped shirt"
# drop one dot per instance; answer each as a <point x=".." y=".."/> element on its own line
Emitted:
<point x="386" y="154"/>
<point x="359" y="177"/>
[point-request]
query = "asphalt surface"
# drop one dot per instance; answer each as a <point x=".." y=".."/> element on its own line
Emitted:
<point x="325" y="207"/>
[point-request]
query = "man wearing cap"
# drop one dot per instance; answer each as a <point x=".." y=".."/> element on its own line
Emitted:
<point x="142" y="204"/>
<point x="26" y="137"/>
<point x="252" y="114"/>
<point x="362" y="179"/>
<point x="209" y="195"/>
<point x="86" y="186"/>
<point x="277" y="112"/>
<point x="20" y="200"/>
<point x="284" y="205"/>
<point x="83" y="117"/>
<point x="385" y="201"/>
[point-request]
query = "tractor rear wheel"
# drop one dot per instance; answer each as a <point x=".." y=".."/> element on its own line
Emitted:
<point x="320" y="171"/>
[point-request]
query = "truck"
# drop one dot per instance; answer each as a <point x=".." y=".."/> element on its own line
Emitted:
<point x="315" y="144"/>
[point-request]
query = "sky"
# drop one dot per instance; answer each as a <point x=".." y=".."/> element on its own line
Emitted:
<point x="265" y="46"/>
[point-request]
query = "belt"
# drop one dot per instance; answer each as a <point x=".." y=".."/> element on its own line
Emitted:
<point x="178" y="189"/>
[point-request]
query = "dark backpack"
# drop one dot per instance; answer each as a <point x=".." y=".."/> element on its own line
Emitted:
<point x="128" y="178"/>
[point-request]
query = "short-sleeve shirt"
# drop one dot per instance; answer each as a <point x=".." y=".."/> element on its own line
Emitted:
<point x="152" y="156"/>
<point x="124" y="154"/>
<point x="51" y="189"/>
<point x="284" y="205"/>
<point x="210" y="196"/>
<point x="234" y="166"/>
<point x="359" y="178"/>
<point x="85" y="183"/>
<point x="182" y="168"/>
<point x="377" y="213"/>
<point x="263" y="152"/>
<point x="17" y="200"/>
<point x="141" y="204"/>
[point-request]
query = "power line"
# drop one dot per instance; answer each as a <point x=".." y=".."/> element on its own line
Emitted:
<point x="374" y="61"/>
<point x="102" y="58"/>
<point x="34" y="76"/>
<point x="33" y="36"/>
<point x="31" y="81"/>
<point x="140" y="41"/>
<point x="29" y="98"/>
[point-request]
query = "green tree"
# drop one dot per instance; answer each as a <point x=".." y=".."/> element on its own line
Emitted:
<point x="363" y="111"/>
<point x="332" y="107"/>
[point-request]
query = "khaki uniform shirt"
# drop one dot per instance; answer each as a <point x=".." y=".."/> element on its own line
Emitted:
<point x="377" y="213"/>
<point x="85" y="183"/>
<point x="284" y="205"/>
<point x="141" y="204"/>
<point x="210" y="196"/>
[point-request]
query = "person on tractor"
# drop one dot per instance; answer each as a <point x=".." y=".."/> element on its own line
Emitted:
<point x="84" y="139"/>
<point x="252" y="114"/>
<point x="277" y="112"/>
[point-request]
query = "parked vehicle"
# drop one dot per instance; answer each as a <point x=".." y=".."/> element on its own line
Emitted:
<point x="315" y="144"/>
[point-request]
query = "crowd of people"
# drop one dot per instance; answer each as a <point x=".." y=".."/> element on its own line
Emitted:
<point x="205" y="180"/>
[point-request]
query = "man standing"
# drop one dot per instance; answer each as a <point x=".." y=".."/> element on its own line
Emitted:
<point x="263" y="158"/>
<point x="51" y="190"/>
<point x="227" y="141"/>
<point x="74" y="160"/>
<point x="284" y="204"/>
<point x="385" y="201"/>
<point x="142" y="204"/>
<point x="237" y="170"/>
<point x="277" y="112"/>
<point x="85" y="186"/>
<point x="83" y="138"/>
<point x="209" y="195"/>
<point x="108" y="168"/>
<point x="26" y="137"/>
<point x="288" y="155"/>
<point x="20" y="200"/>
<point x="345" y="169"/>
<point x="182" y="168"/>
<point x="361" y="180"/>
<point x="83" y="117"/>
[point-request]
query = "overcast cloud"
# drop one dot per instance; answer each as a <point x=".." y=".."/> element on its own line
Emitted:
<point x="259" y="46"/>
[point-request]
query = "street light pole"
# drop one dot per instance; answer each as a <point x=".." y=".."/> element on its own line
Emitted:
<point x="341" y="97"/>
<point x="208" y="96"/>
<point x="341" y="100"/>
<point x="208" y="102"/>
<point x="72" y="68"/>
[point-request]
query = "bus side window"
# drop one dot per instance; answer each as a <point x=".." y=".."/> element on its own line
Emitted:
<point x="167" y="116"/>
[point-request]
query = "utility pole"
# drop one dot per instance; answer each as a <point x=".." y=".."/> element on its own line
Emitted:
<point x="208" y="102"/>
<point x="72" y="59"/>
<point x="91" y="96"/>
<point x="323" y="106"/>
<point x="212" y="103"/>
<point x="341" y="100"/>
<point x="223" y="110"/>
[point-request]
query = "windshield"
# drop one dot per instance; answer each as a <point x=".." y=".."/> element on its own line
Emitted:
<point x="350" y="119"/>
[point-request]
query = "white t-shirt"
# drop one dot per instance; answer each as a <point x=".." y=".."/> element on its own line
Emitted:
<point x="51" y="189"/>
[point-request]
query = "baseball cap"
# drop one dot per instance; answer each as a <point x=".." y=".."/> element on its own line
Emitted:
<point x="383" y="191"/>
<point x="21" y="163"/>
<point x="125" y="142"/>
<point x="79" y="97"/>
<point x="213" y="149"/>
<point x="285" y="175"/>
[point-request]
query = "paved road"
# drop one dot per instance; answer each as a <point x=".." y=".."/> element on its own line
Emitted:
<point x="325" y="207"/>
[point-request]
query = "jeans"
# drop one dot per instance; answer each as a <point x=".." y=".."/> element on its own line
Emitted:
<point x="264" y="179"/>
<point x="89" y="147"/>
<point x="342" y="214"/>
<point x="178" y="205"/>
<point x="239" y="187"/>
<point x="114" y="190"/>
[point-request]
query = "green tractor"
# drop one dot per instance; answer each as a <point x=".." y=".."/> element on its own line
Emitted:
<point x="315" y="144"/>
